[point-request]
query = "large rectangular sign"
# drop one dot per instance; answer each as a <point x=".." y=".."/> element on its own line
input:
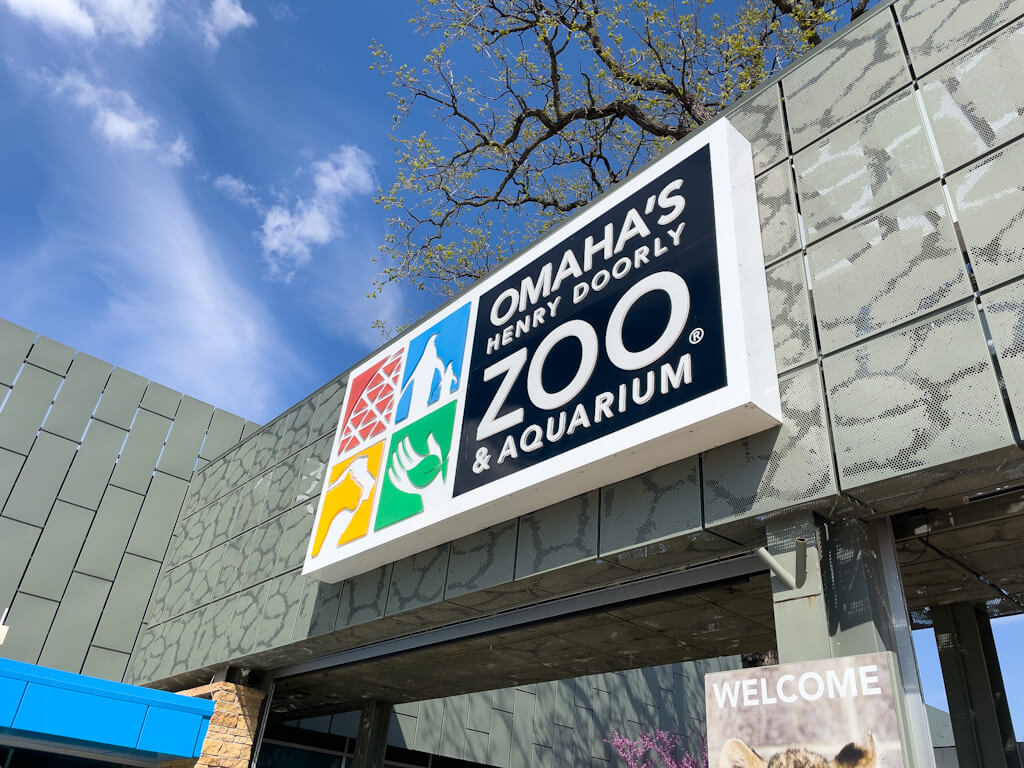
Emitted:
<point x="835" y="713"/>
<point x="632" y="336"/>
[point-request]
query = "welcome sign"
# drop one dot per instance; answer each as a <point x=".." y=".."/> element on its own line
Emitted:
<point x="841" y="713"/>
<point x="634" y="335"/>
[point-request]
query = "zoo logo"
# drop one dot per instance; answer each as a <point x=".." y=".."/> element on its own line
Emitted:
<point x="395" y="437"/>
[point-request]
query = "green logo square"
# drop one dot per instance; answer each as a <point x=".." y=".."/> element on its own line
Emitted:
<point x="417" y="468"/>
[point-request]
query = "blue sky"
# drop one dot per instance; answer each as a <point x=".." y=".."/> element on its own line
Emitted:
<point x="188" y="187"/>
<point x="187" y="192"/>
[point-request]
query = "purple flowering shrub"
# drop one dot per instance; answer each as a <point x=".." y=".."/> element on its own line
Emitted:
<point x="657" y="750"/>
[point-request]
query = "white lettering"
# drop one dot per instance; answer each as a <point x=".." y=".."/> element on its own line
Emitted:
<point x="492" y="423"/>
<point x="676" y="203"/>
<point x="532" y="438"/>
<point x="788" y="698"/>
<point x="499" y="317"/>
<point x="648" y="394"/>
<point x="530" y="292"/>
<point x="869" y="681"/>
<point x="493" y="343"/>
<point x="750" y="693"/>
<point x="579" y="292"/>
<point x="801" y="686"/>
<point x="579" y="419"/>
<point x="508" y="450"/>
<point x="551" y="434"/>
<point x="730" y="692"/>
<point x="568" y="267"/>
<point x="846" y="687"/>
<point x="676" y="234"/>
<point x="633" y="226"/>
<point x="604" y="245"/>
<point x="587" y="337"/>
<point x="679" y="297"/>
<point x="603" y="406"/>
<point x="674" y="377"/>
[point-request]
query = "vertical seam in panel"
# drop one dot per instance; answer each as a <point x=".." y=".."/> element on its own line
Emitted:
<point x="60" y="386"/>
<point x="818" y="364"/>
<point x="103" y="391"/>
<point x="117" y="572"/>
<point x="42" y="529"/>
<point x="997" y="369"/>
<point x="801" y="234"/>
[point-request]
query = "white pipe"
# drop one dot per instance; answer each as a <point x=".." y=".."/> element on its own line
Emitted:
<point x="791" y="581"/>
<point x="776" y="567"/>
<point x="801" y="561"/>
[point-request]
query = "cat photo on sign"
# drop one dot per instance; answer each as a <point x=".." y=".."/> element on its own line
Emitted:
<point x="736" y="754"/>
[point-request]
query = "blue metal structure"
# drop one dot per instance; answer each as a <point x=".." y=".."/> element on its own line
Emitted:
<point x="50" y="710"/>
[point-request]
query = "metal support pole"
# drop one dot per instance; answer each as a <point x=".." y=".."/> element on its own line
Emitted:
<point x="974" y="688"/>
<point x="268" y="696"/>
<point x="372" y="737"/>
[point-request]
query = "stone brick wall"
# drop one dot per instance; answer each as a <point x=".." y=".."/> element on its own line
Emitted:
<point x="233" y="727"/>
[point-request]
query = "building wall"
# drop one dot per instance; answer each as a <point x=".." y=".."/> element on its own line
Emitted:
<point x="94" y="465"/>
<point x="560" y="723"/>
<point x="887" y="170"/>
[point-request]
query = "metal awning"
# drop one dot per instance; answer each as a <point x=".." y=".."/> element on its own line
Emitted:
<point x="49" y="710"/>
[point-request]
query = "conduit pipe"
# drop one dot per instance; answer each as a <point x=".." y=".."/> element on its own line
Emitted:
<point x="790" y="580"/>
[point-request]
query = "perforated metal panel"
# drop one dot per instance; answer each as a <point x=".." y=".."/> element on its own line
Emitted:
<point x="760" y="121"/>
<point x="853" y="72"/>
<point x="976" y="102"/>
<point x="779" y="468"/>
<point x="914" y="398"/>
<point x="1004" y="308"/>
<point x="791" y="313"/>
<point x="937" y="30"/>
<point x="887" y="269"/>
<point x="777" y="207"/>
<point x="989" y="197"/>
<point x="863" y="165"/>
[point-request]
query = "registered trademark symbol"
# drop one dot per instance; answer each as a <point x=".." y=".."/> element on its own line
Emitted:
<point x="696" y="335"/>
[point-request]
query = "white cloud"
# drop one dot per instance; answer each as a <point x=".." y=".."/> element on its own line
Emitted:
<point x="235" y="189"/>
<point x="224" y="16"/>
<point x="118" y="118"/>
<point x="134" y="21"/>
<point x="55" y="15"/>
<point x="177" y="153"/>
<point x="174" y="308"/>
<point x="289" y="233"/>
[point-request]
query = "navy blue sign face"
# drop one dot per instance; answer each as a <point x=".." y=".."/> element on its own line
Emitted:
<point x="621" y="321"/>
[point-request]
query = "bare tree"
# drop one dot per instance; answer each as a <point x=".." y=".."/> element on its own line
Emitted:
<point x="538" y="106"/>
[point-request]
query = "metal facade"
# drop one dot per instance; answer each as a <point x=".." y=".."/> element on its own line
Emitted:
<point x="94" y="465"/>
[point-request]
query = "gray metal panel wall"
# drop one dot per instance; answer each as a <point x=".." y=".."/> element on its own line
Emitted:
<point x="889" y="199"/>
<point x="565" y="722"/>
<point x="87" y="510"/>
